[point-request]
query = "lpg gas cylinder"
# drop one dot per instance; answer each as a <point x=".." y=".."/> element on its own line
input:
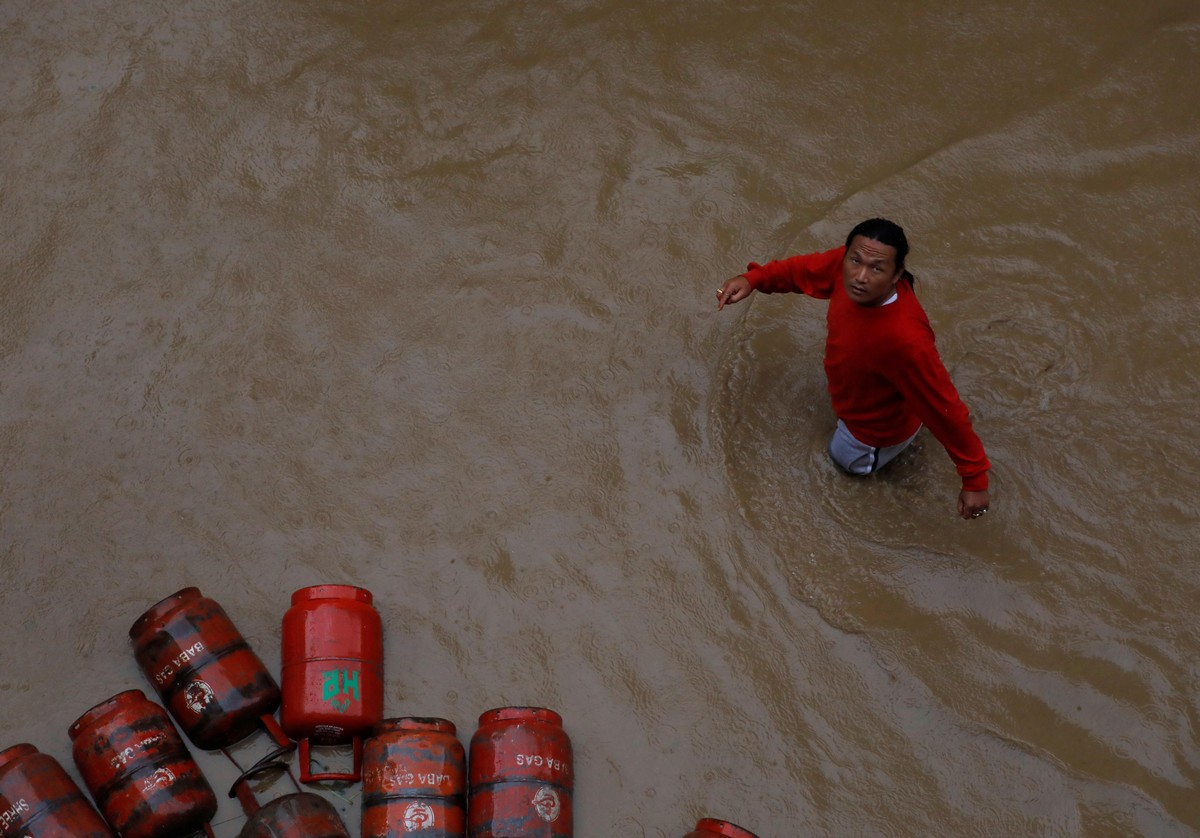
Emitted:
<point x="215" y="687"/>
<point x="138" y="769"/>
<point x="39" y="799"/>
<point x="332" y="672"/>
<point x="713" y="828"/>
<point x="414" y="780"/>
<point x="521" y="775"/>
<point x="301" y="814"/>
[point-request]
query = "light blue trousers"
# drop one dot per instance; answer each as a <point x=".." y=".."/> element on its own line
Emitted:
<point x="855" y="457"/>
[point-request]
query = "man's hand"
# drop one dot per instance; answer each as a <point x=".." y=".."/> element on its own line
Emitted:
<point x="972" y="504"/>
<point x="733" y="291"/>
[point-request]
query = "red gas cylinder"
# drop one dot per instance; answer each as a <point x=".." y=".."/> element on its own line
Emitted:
<point x="414" y="780"/>
<point x="713" y="828"/>
<point x="215" y="687"/>
<point x="40" y="800"/>
<point x="301" y="814"/>
<point x="521" y="775"/>
<point x="332" y="672"/>
<point x="138" y="769"/>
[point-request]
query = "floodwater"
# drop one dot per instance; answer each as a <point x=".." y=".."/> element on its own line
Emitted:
<point x="420" y="297"/>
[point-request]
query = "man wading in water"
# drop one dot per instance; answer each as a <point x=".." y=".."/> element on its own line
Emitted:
<point x="885" y="376"/>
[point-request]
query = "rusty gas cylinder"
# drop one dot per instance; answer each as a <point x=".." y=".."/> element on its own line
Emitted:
<point x="713" y="828"/>
<point x="139" y="770"/>
<point x="414" y="780"/>
<point x="301" y="814"/>
<point x="332" y="672"/>
<point x="521" y="775"/>
<point x="214" y="686"/>
<point x="39" y="799"/>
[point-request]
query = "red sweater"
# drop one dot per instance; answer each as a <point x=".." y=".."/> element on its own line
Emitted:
<point x="885" y="376"/>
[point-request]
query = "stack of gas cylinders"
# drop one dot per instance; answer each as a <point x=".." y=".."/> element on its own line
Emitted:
<point x="413" y="770"/>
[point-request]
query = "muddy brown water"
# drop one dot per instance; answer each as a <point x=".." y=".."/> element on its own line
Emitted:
<point x="419" y="297"/>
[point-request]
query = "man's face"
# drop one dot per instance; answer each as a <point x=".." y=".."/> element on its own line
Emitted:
<point x="869" y="271"/>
